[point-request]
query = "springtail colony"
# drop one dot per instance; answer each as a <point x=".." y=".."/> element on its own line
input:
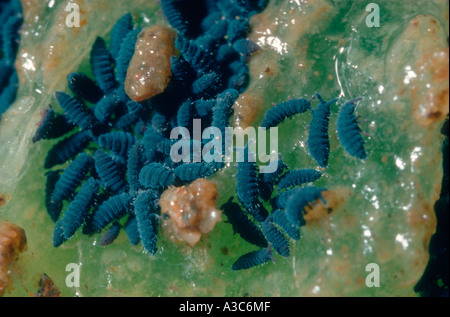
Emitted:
<point x="113" y="163"/>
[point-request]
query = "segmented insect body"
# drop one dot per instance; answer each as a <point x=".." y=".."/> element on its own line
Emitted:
<point x="125" y="54"/>
<point x="78" y="209"/>
<point x="101" y="65"/>
<point x="207" y="85"/>
<point x="135" y="110"/>
<point x="318" y="142"/>
<point x="72" y="177"/>
<point x="134" y="164"/>
<point x="279" y="218"/>
<point x="298" y="177"/>
<point x="149" y="142"/>
<point x="194" y="55"/>
<point x="275" y="238"/>
<point x="245" y="47"/>
<point x="147" y="219"/>
<point x="53" y="208"/>
<point x="174" y="16"/>
<point x="114" y="208"/>
<point x="51" y="126"/>
<point x="117" y="141"/>
<point x="84" y="87"/>
<point x="118" y="33"/>
<point x="243" y="225"/>
<point x="108" y="171"/>
<point x="281" y="199"/>
<point x="156" y="176"/>
<point x="106" y="107"/>
<point x="109" y="236"/>
<point x="349" y="131"/>
<point x="185" y="114"/>
<point x="192" y="171"/>
<point x="252" y="259"/>
<point x="237" y="28"/>
<point x="247" y="190"/>
<point x="225" y="53"/>
<point x="204" y="107"/>
<point x="132" y="231"/>
<point x="75" y="110"/>
<point x="297" y="203"/>
<point x="67" y="148"/>
<point x="283" y="110"/>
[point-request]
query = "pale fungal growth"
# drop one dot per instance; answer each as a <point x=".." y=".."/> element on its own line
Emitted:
<point x="189" y="211"/>
<point x="12" y="242"/>
<point x="149" y="70"/>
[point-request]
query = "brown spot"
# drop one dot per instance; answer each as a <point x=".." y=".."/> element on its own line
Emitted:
<point x="149" y="71"/>
<point x="224" y="250"/>
<point x="4" y="198"/>
<point x="47" y="288"/>
<point x="334" y="198"/>
<point x="12" y="242"/>
<point x="246" y="109"/>
<point x="190" y="211"/>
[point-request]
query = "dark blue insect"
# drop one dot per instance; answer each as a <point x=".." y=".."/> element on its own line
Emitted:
<point x="132" y="231"/>
<point x="160" y="122"/>
<point x="297" y="203"/>
<point x="76" y="212"/>
<point x="285" y="110"/>
<point x="252" y="259"/>
<point x="203" y="107"/>
<point x="156" y="176"/>
<point x="101" y="64"/>
<point x="51" y="126"/>
<point x="242" y="225"/>
<point x="207" y="85"/>
<point x="106" y="107"/>
<point x="281" y="200"/>
<point x="134" y="164"/>
<point x="245" y="47"/>
<point x="185" y="114"/>
<point x="349" y="131"/>
<point x="147" y="219"/>
<point x="275" y="238"/>
<point x="225" y="53"/>
<point x="149" y="141"/>
<point x="125" y="54"/>
<point x="72" y="177"/>
<point x="298" y="177"/>
<point x="173" y="15"/>
<point x="8" y="95"/>
<point x="111" y="209"/>
<point x="84" y="87"/>
<point x="117" y="141"/>
<point x="67" y="148"/>
<point x="109" y="236"/>
<point x="198" y="58"/>
<point x="135" y="111"/>
<point x="318" y="142"/>
<point x="118" y="33"/>
<point x="76" y="110"/>
<point x="247" y="190"/>
<point x="109" y="172"/>
<point x="192" y="171"/>
<point x="237" y="28"/>
<point x="53" y="208"/>
<point x="279" y="218"/>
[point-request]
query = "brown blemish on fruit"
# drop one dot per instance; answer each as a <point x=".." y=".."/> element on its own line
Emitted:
<point x="190" y="211"/>
<point x="334" y="198"/>
<point x="149" y="71"/>
<point x="12" y="242"/>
